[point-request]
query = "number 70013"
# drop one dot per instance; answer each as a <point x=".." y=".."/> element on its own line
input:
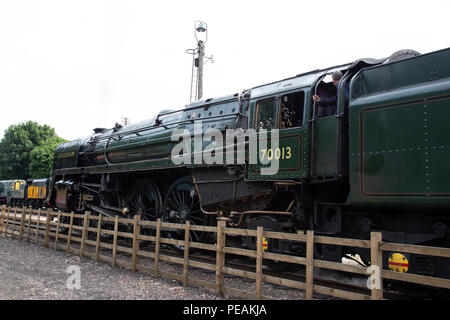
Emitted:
<point x="278" y="153"/>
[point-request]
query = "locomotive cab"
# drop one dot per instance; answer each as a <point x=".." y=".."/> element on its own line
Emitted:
<point x="327" y="123"/>
<point x="282" y="109"/>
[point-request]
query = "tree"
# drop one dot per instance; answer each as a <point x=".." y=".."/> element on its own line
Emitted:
<point x="41" y="158"/>
<point x="17" y="145"/>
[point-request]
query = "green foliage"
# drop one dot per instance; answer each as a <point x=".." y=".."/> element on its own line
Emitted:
<point x="41" y="158"/>
<point x="17" y="146"/>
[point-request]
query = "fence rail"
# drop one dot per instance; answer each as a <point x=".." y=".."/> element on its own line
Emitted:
<point x="46" y="227"/>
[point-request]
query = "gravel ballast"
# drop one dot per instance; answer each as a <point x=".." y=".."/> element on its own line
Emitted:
<point x="31" y="271"/>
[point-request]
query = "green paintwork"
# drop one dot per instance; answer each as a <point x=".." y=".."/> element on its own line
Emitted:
<point x="155" y="145"/>
<point x="325" y="148"/>
<point x="293" y="144"/>
<point x="288" y="154"/>
<point x="400" y="133"/>
<point x="66" y="154"/>
<point x="146" y="145"/>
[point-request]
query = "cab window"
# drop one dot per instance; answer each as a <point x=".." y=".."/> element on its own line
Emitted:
<point x="291" y="110"/>
<point x="265" y="114"/>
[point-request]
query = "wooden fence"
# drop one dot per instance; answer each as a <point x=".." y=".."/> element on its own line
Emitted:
<point x="35" y="225"/>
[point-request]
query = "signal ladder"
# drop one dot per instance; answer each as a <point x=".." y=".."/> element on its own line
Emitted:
<point x="194" y="79"/>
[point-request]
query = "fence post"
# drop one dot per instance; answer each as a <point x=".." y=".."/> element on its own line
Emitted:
<point x="37" y="225"/>
<point x="99" y="231"/>
<point x="116" y="229"/>
<point x="6" y="218"/>
<point x="186" y="252"/>
<point x="7" y="221"/>
<point x="136" y="232"/>
<point x="29" y="226"/>
<point x="48" y="217"/>
<point x="5" y="226"/>
<point x="85" y="232"/>
<point x="22" y="223"/>
<point x="69" y="235"/>
<point x="309" y="265"/>
<point x="157" y="240"/>
<point x="57" y="230"/>
<point x="220" y="257"/>
<point x="2" y="217"/>
<point x="14" y="223"/>
<point x="376" y="265"/>
<point x="11" y="222"/>
<point x="259" y="260"/>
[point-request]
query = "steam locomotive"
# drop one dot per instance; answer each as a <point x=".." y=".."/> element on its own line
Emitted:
<point x="377" y="162"/>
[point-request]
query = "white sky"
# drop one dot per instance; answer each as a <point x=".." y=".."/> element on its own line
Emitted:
<point x="77" y="65"/>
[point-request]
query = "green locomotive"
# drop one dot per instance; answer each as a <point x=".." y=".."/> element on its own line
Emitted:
<point x="376" y="160"/>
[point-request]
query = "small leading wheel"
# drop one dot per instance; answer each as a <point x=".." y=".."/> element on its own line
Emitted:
<point x="182" y="204"/>
<point x="144" y="199"/>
